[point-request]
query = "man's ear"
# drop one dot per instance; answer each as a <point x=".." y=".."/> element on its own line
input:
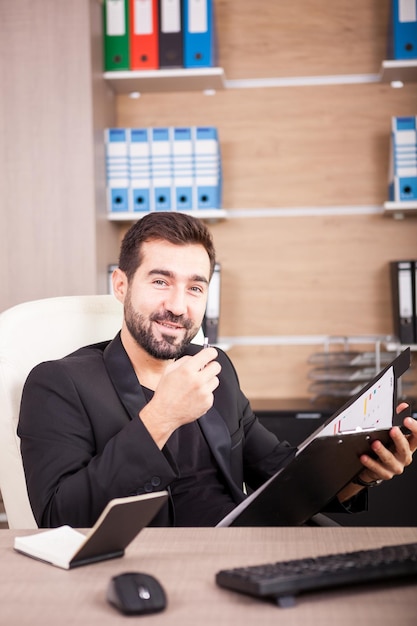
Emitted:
<point x="119" y="280"/>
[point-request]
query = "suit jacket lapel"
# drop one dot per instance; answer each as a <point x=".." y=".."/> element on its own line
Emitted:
<point x="123" y="377"/>
<point x="218" y="439"/>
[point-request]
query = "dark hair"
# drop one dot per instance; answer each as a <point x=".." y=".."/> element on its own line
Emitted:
<point x="177" y="228"/>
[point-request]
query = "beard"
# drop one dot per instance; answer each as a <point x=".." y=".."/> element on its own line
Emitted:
<point x="140" y="328"/>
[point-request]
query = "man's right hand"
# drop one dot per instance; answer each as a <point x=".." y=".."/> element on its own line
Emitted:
<point x="184" y="393"/>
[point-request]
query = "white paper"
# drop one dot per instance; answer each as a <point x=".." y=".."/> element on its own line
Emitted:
<point x="56" y="546"/>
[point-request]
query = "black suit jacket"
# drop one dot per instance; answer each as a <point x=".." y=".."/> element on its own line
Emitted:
<point x="83" y="443"/>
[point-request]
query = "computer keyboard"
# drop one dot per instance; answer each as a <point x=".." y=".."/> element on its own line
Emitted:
<point x="283" y="580"/>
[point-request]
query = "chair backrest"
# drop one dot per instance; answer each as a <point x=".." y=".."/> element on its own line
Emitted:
<point x="30" y="333"/>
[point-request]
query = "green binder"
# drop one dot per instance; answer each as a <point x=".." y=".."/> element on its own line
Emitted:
<point x="116" y="35"/>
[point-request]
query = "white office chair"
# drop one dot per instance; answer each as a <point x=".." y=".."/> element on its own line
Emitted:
<point x="30" y="333"/>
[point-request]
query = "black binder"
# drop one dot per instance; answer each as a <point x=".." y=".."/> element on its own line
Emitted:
<point x="322" y="466"/>
<point x="403" y="289"/>
<point x="170" y="35"/>
<point x="212" y="314"/>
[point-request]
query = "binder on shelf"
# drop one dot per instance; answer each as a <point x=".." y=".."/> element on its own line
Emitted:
<point x="162" y="182"/>
<point x="415" y="299"/>
<point x="199" y="33"/>
<point x="140" y="170"/>
<point x="143" y="32"/>
<point x="110" y="269"/>
<point x="162" y="169"/>
<point x="207" y="168"/>
<point x="403" y="29"/>
<point x="183" y="170"/>
<point x="403" y="160"/>
<point x="212" y="314"/>
<point x="116" y="35"/>
<point x="117" y="169"/>
<point x="403" y="290"/>
<point x="170" y="34"/>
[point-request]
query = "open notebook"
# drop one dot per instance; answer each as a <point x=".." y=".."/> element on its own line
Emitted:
<point x="119" y="523"/>
<point x="328" y="459"/>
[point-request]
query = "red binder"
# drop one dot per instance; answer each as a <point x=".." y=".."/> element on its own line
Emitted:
<point x="143" y="30"/>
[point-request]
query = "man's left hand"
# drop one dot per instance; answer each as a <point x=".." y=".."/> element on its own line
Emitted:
<point x="391" y="462"/>
<point x="388" y="462"/>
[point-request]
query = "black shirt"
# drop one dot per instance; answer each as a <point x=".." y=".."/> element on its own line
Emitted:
<point x="199" y="494"/>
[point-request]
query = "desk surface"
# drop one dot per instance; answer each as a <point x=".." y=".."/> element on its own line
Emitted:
<point x="185" y="561"/>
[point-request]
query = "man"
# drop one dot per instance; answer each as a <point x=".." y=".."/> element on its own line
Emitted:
<point x="150" y="411"/>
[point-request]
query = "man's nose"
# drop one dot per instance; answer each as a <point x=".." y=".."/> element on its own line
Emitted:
<point x="176" y="303"/>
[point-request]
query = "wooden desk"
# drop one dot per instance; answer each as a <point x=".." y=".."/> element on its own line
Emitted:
<point x="185" y="561"/>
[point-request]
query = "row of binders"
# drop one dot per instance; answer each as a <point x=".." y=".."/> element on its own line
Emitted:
<point x="155" y="34"/>
<point x="404" y="300"/>
<point x="403" y="159"/>
<point x="402" y="40"/>
<point x="163" y="169"/>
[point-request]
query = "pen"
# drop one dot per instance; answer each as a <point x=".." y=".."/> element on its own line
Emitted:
<point x="206" y="342"/>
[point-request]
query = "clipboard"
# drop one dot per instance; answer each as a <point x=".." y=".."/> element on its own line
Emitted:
<point x="329" y="458"/>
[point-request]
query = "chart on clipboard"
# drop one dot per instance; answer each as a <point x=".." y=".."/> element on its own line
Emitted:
<point x="370" y="411"/>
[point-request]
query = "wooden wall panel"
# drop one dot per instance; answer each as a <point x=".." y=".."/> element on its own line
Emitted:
<point x="309" y="275"/>
<point x="299" y="146"/>
<point x="43" y="125"/>
<point x="268" y="373"/>
<point x="304" y="38"/>
<point x="49" y="242"/>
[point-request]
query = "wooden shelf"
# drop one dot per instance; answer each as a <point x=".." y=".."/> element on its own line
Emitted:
<point x="396" y="346"/>
<point x="163" y="80"/>
<point x="213" y="79"/>
<point x="400" y="209"/>
<point x="203" y="214"/>
<point x="404" y="71"/>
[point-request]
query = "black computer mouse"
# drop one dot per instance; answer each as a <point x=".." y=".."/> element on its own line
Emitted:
<point x="135" y="593"/>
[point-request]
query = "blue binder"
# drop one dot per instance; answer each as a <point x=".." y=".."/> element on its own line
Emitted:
<point x="199" y="34"/>
<point x="140" y="169"/>
<point x="207" y="168"/>
<point x="403" y="33"/>
<point x="403" y="160"/>
<point x="161" y="163"/>
<point x="182" y="149"/>
<point x="117" y="169"/>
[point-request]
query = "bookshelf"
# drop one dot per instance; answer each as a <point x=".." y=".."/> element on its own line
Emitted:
<point x="211" y="215"/>
<point x="400" y="209"/>
<point x="404" y="71"/>
<point x="166" y="80"/>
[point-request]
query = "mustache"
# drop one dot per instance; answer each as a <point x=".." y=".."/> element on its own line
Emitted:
<point x="173" y="319"/>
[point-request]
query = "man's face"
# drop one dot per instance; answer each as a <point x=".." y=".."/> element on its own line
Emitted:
<point x="166" y="299"/>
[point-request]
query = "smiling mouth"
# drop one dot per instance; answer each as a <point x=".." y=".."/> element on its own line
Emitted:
<point x="168" y="326"/>
<point x="172" y="325"/>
